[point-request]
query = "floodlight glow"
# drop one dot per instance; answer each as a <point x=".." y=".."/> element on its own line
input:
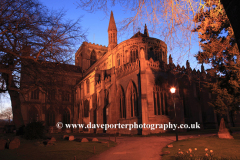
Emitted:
<point x="173" y="90"/>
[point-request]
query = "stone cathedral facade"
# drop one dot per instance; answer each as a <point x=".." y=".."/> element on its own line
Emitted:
<point x="122" y="83"/>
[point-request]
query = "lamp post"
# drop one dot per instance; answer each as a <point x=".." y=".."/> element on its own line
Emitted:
<point x="173" y="90"/>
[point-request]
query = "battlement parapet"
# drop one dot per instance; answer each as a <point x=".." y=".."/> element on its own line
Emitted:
<point x="93" y="44"/>
<point x="127" y="68"/>
<point x="152" y="64"/>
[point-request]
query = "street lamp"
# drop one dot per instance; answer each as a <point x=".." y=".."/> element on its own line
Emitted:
<point x="173" y="90"/>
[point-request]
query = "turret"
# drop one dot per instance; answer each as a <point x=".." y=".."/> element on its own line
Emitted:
<point x="187" y="65"/>
<point x="146" y="31"/>
<point x="202" y="68"/>
<point x="170" y="59"/>
<point x="112" y="33"/>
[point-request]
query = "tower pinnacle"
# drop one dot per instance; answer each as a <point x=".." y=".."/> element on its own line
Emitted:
<point x="112" y="33"/>
<point x="146" y="30"/>
<point x="112" y="24"/>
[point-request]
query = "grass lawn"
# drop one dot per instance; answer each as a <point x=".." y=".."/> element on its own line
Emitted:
<point x="62" y="150"/>
<point x="184" y="132"/>
<point x="222" y="148"/>
<point x="172" y="133"/>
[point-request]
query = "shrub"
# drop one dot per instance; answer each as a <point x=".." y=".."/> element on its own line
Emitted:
<point x="21" y="131"/>
<point x="34" y="130"/>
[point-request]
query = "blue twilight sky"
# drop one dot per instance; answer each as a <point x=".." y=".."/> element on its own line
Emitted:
<point x="96" y="25"/>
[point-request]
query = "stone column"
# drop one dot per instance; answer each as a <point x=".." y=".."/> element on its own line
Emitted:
<point x="142" y="83"/>
<point x="112" y="100"/>
<point x="101" y="105"/>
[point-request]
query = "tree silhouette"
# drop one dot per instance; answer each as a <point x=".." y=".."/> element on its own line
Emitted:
<point x="219" y="49"/>
<point x="28" y="31"/>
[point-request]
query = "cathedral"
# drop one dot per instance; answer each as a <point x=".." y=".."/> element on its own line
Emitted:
<point x="126" y="83"/>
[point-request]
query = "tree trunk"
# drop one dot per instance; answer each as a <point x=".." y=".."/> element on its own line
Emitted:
<point x="232" y="9"/>
<point x="16" y="108"/>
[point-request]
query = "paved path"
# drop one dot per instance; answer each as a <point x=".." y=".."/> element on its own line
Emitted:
<point x="139" y="148"/>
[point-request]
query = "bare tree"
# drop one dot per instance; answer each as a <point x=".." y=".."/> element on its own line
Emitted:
<point x="28" y="31"/>
<point x="173" y="19"/>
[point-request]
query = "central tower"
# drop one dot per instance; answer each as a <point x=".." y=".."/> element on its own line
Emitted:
<point x="112" y="33"/>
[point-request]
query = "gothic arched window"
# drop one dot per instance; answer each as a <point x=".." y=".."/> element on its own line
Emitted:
<point x="126" y="57"/>
<point x="93" y="57"/>
<point x="118" y="60"/>
<point x="132" y="100"/>
<point x="113" y="37"/>
<point x="35" y="94"/>
<point x="121" y="100"/>
<point x="88" y="85"/>
<point x="160" y="101"/>
<point x="157" y="52"/>
<point x="151" y="53"/>
<point x="161" y="54"/>
<point x="86" y="108"/>
<point x="106" y="98"/>
<point x="136" y="54"/>
<point x="133" y="55"/>
<point x="157" y="100"/>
